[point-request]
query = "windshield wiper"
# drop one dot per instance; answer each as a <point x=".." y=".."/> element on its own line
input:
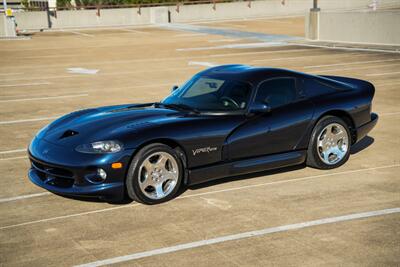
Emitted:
<point x="182" y="107"/>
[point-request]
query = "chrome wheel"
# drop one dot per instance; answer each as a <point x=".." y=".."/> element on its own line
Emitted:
<point x="332" y="143"/>
<point x="158" y="175"/>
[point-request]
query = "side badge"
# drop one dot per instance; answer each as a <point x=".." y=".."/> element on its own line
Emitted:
<point x="203" y="150"/>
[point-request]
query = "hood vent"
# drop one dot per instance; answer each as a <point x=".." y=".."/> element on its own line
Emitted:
<point x="68" y="133"/>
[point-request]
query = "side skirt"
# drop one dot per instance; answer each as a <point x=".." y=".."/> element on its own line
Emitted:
<point x="263" y="163"/>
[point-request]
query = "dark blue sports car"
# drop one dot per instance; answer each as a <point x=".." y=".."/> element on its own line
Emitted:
<point x="225" y="121"/>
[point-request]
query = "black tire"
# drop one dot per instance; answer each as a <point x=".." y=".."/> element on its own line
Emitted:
<point x="313" y="158"/>
<point x="132" y="179"/>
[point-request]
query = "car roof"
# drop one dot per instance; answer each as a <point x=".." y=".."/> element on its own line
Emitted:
<point x="246" y="73"/>
<point x="255" y="75"/>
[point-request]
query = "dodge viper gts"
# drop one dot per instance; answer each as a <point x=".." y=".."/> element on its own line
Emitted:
<point x="225" y="121"/>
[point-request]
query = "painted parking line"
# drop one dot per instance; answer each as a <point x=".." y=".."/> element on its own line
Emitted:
<point x="9" y="199"/>
<point x="78" y="71"/>
<point x="352" y="63"/>
<point x="232" y="46"/>
<point x="309" y="56"/>
<point x="243" y="235"/>
<point x="189" y="34"/>
<point x="12" y="73"/>
<point x="349" y="48"/>
<point x="29" y="120"/>
<point x="13" y="158"/>
<point x="13" y="151"/>
<point x="306" y="178"/>
<point x="79" y="33"/>
<point x="200" y="63"/>
<point x="382" y="74"/>
<point x="43" y="98"/>
<point x="223" y="40"/>
<point x="49" y="66"/>
<point x="359" y="68"/>
<point x="133" y="31"/>
<point x="24" y="84"/>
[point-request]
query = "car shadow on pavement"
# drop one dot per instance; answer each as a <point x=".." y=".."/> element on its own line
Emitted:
<point x="361" y="145"/>
<point x="245" y="176"/>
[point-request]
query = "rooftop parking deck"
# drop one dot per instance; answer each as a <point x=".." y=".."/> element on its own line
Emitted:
<point x="141" y="65"/>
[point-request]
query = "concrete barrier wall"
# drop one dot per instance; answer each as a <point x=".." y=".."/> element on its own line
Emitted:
<point x="379" y="27"/>
<point x="187" y="13"/>
<point x="108" y="17"/>
<point x="32" y="20"/>
<point x="238" y="10"/>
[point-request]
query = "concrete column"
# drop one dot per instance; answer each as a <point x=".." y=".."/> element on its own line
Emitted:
<point x="312" y="25"/>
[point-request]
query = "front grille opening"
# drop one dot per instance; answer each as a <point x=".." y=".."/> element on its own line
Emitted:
<point x="53" y="175"/>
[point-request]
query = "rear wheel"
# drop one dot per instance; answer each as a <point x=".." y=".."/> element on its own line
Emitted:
<point x="155" y="174"/>
<point x="329" y="146"/>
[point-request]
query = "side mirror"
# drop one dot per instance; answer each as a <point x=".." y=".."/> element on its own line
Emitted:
<point x="258" y="108"/>
<point x="174" y="88"/>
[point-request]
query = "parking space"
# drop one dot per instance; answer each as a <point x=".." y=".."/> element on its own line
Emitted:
<point x="141" y="65"/>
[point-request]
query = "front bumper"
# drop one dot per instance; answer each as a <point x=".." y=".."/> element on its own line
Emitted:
<point x="64" y="171"/>
<point x="363" y="130"/>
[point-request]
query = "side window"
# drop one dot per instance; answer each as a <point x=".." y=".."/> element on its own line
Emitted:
<point x="277" y="92"/>
<point x="314" y="88"/>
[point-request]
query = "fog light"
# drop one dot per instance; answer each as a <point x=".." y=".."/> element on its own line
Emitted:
<point x="101" y="173"/>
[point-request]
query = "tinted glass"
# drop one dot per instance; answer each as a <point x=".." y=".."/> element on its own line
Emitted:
<point x="211" y="94"/>
<point x="277" y="92"/>
<point x="314" y="88"/>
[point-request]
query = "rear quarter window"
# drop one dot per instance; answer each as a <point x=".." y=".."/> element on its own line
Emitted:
<point x="313" y="88"/>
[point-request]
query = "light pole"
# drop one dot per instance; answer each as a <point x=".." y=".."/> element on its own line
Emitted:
<point x="315" y="6"/>
<point x="9" y="24"/>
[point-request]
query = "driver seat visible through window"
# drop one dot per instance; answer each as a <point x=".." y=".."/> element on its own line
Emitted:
<point x="277" y="92"/>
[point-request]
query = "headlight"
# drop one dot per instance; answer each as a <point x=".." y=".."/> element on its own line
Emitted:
<point x="100" y="147"/>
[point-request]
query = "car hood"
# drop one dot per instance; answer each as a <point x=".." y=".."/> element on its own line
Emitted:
<point x="106" y="123"/>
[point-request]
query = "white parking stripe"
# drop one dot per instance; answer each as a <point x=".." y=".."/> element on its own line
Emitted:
<point x="79" y="33"/>
<point x="2" y="200"/>
<point x="357" y="68"/>
<point x="49" y="66"/>
<point x="244" y="235"/>
<point x="43" y="98"/>
<point x="223" y="40"/>
<point x="21" y="157"/>
<point x="24" y="84"/>
<point x="389" y="114"/>
<point x="134" y="31"/>
<point x="202" y="194"/>
<point x="207" y="64"/>
<point x="350" y="48"/>
<point x="190" y="34"/>
<point x="15" y="73"/>
<point x="13" y="151"/>
<point x="28" y="120"/>
<point x="351" y="63"/>
<point x="382" y="74"/>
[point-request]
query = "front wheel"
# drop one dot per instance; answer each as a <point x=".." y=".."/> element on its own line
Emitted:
<point x="329" y="146"/>
<point x="155" y="174"/>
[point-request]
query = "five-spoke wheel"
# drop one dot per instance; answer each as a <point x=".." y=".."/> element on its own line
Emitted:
<point x="158" y="175"/>
<point x="155" y="174"/>
<point x="330" y="143"/>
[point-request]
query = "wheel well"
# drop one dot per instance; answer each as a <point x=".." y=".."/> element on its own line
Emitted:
<point x="347" y="119"/>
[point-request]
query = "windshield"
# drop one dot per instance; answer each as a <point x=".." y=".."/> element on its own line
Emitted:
<point x="211" y="94"/>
